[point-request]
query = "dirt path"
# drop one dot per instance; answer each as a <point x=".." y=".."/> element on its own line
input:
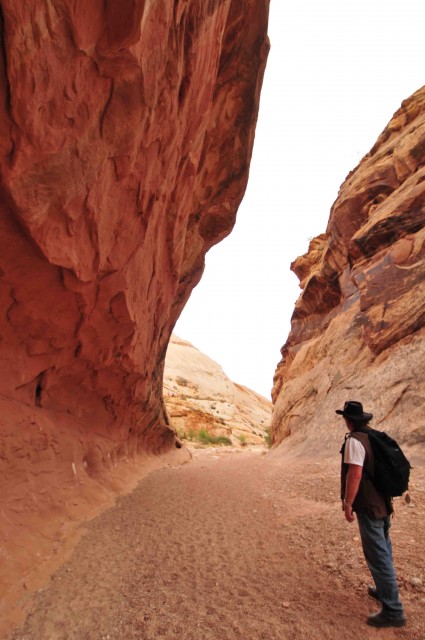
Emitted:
<point x="231" y="546"/>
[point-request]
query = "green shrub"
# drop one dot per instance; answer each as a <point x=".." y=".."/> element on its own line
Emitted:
<point x="203" y="436"/>
<point x="207" y="438"/>
<point x="221" y="440"/>
<point x="242" y="440"/>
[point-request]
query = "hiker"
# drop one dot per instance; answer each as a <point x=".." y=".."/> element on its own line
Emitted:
<point x="373" y="510"/>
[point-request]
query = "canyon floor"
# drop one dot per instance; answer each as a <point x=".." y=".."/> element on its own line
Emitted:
<point x="236" y="544"/>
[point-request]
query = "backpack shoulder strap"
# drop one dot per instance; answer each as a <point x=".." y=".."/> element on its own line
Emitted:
<point x="361" y="436"/>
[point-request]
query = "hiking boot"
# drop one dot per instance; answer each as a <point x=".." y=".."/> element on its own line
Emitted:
<point x="372" y="592"/>
<point x="382" y="619"/>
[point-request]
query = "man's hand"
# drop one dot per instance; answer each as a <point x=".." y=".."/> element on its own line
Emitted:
<point x="348" y="512"/>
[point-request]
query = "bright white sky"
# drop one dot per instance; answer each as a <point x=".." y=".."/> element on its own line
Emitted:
<point x="337" y="71"/>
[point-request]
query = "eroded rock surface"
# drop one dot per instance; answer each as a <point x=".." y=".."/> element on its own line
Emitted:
<point x="199" y="396"/>
<point x="126" y="133"/>
<point x="358" y="326"/>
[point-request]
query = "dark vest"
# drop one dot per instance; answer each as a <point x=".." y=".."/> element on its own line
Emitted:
<point x="368" y="499"/>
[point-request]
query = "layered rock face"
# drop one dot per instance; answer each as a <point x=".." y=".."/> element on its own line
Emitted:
<point x="126" y="133"/>
<point x="199" y="396"/>
<point x="358" y="326"/>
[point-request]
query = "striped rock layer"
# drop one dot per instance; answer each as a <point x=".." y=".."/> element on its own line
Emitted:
<point x="357" y="329"/>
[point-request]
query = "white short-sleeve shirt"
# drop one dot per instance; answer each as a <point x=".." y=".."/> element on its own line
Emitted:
<point x="354" y="452"/>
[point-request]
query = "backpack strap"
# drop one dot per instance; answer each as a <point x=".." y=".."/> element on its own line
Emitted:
<point x="362" y="436"/>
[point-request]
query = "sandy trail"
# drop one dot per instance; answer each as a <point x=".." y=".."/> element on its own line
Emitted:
<point x="230" y="546"/>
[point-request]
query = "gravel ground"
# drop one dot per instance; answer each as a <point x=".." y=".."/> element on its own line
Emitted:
<point x="234" y="545"/>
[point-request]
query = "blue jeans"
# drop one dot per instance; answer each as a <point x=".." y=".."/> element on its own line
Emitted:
<point x="378" y="553"/>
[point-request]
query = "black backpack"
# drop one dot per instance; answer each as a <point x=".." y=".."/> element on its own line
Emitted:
<point x="392" y="468"/>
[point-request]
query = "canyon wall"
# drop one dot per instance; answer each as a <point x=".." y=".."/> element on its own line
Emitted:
<point x="126" y="132"/>
<point x="126" y="135"/>
<point x="199" y="396"/>
<point x="357" y="329"/>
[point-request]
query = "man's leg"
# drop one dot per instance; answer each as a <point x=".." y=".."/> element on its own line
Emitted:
<point x="378" y="553"/>
<point x="387" y="525"/>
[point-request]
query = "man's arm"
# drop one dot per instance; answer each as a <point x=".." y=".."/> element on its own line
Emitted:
<point x="354" y="476"/>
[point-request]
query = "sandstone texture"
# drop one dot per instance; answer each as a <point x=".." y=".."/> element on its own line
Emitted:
<point x="126" y="132"/>
<point x="199" y="396"/>
<point x="358" y="326"/>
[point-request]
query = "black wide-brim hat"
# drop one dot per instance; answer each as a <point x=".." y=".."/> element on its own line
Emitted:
<point x="353" y="410"/>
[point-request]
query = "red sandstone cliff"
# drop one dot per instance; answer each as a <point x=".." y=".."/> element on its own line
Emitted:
<point x="126" y="132"/>
<point x="358" y="326"/>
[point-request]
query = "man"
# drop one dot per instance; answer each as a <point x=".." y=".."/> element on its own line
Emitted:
<point x="373" y="512"/>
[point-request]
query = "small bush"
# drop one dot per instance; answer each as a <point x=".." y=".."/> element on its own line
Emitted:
<point x="221" y="440"/>
<point x="242" y="440"/>
<point x="203" y="436"/>
<point x="207" y="438"/>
